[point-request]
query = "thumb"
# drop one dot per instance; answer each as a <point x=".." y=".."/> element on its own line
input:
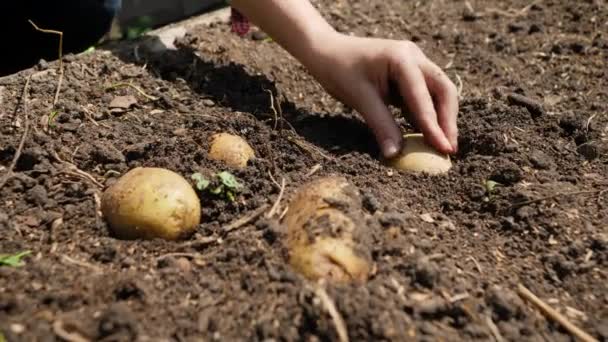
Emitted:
<point x="379" y="119"/>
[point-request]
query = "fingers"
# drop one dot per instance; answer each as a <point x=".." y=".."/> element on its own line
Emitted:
<point x="379" y="119"/>
<point x="446" y="100"/>
<point x="413" y="88"/>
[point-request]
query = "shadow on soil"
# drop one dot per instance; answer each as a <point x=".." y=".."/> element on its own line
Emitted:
<point x="230" y="85"/>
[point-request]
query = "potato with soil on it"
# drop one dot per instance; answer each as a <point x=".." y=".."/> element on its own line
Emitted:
<point x="418" y="156"/>
<point x="327" y="237"/>
<point x="230" y="149"/>
<point x="151" y="203"/>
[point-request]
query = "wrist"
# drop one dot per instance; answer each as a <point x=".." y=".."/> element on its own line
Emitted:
<point x="319" y="49"/>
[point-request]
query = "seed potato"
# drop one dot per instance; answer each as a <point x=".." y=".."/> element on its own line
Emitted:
<point x="230" y="149"/>
<point x="418" y="156"/>
<point x="151" y="203"/>
<point x="326" y="234"/>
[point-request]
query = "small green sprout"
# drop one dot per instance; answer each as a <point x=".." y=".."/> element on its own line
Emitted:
<point x="52" y="117"/>
<point x="491" y="186"/>
<point x="224" y="185"/>
<point x="13" y="260"/>
<point x="201" y="183"/>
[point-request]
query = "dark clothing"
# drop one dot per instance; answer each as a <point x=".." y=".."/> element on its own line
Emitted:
<point x="83" y="23"/>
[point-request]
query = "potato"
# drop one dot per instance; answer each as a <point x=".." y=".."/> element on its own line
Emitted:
<point x="326" y="233"/>
<point x="151" y="203"/>
<point x="230" y="149"/>
<point x="418" y="156"/>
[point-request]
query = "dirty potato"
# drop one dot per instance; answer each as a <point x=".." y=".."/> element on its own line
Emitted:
<point x="326" y="234"/>
<point x="418" y="156"/>
<point x="151" y="203"/>
<point x="231" y="149"/>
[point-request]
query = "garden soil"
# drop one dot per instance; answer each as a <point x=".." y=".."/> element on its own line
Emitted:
<point x="525" y="202"/>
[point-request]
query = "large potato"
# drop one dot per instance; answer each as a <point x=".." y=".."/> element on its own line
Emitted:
<point x="230" y="149"/>
<point x="151" y="203"/>
<point x="326" y="234"/>
<point x="418" y="156"/>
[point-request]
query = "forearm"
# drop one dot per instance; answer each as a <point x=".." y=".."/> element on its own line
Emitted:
<point x="294" y="24"/>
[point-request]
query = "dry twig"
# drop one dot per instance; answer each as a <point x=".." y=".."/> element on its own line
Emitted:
<point x="477" y="265"/>
<point x="178" y="255"/>
<point x="9" y="171"/>
<point x="313" y="170"/>
<point x="73" y="170"/>
<point x="138" y="89"/>
<point x="275" y="206"/>
<point x="494" y="329"/>
<point x="62" y="330"/>
<point x="329" y="305"/>
<point x="81" y="263"/>
<point x="554" y="315"/>
<point x="60" y="80"/>
<point x="245" y="219"/>
<point x="306" y="147"/>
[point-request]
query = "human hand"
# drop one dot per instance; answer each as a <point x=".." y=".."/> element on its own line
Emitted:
<point x="359" y="72"/>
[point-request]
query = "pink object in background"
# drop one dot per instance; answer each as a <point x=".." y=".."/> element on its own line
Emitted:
<point x="239" y="23"/>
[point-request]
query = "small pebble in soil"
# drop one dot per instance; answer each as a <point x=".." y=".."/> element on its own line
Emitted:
<point x="38" y="195"/>
<point x="508" y="174"/>
<point x="432" y="307"/>
<point x="589" y="151"/>
<point x="541" y="160"/>
<point x="371" y="203"/>
<point x="425" y="273"/>
<point x="504" y="303"/>
<point x="183" y="264"/>
<point x="535" y="28"/>
<point x="534" y="107"/>
<point x="516" y="27"/>
<point x="118" y="322"/>
<point x="477" y="191"/>
<point x="392" y="219"/>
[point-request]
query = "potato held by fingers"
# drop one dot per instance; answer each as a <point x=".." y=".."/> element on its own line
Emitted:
<point x="151" y="203"/>
<point x="326" y="234"/>
<point x="418" y="156"/>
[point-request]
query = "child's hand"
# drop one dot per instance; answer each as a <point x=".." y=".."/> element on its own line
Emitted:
<point x="358" y="71"/>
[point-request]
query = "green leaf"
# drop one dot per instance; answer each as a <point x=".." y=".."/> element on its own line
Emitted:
<point x="217" y="190"/>
<point x="13" y="260"/>
<point x="229" y="181"/>
<point x="52" y="117"/>
<point x="201" y="182"/>
<point x="491" y="186"/>
<point x="2" y="338"/>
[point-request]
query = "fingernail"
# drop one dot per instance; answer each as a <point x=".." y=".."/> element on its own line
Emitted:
<point x="446" y="146"/>
<point x="454" y="143"/>
<point x="389" y="148"/>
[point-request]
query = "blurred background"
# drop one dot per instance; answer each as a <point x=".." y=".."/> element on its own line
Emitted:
<point x="139" y="16"/>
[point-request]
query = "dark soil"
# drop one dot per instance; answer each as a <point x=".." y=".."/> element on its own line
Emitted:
<point x="448" y="252"/>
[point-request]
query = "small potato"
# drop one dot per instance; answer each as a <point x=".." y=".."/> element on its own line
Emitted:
<point x="231" y="149"/>
<point x="151" y="203"/>
<point x="326" y="234"/>
<point x="418" y="156"/>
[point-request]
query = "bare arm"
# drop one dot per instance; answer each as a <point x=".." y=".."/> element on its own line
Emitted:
<point x="358" y="71"/>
